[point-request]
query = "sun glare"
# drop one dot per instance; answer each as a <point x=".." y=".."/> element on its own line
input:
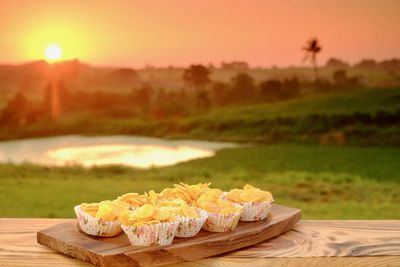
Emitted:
<point x="53" y="52"/>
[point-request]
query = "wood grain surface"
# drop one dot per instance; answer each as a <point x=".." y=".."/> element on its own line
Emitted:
<point x="18" y="246"/>
<point x="118" y="252"/>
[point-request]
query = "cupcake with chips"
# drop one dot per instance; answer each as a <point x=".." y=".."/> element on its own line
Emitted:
<point x="100" y="219"/>
<point x="256" y="203"/>
<point x="149" y="225"/>
<point x="191" y="218"/>
<point x="223" y="215"/>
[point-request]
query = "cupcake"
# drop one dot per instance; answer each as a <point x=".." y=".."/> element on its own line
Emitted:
<point x="149" y="225"/>
<point x="100" y="219"/>
<point x="223" y="215"/>
<point x="256" y="203"/>
<point x="191" y="218"/>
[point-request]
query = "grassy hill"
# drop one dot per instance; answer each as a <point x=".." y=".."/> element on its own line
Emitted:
<point x="367" y="100"/>
<point x="369" y="116"/>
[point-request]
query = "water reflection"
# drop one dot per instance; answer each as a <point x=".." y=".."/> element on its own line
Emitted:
<point x="142" y="156"/>
<point x="141" y="152"/>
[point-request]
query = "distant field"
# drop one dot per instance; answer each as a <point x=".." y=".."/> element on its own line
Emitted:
<point x="325" y="182"/>
<point x="173" y="76"/>
<point x="31" y="78"/>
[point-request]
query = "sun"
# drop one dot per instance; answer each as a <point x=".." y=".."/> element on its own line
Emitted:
<point x="53" y="52"/>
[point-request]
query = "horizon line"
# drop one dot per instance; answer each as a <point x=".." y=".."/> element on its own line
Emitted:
<point x="216" y="65"/>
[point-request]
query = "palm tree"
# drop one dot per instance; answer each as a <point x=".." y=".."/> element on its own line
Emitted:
<point x="312" y="48"/>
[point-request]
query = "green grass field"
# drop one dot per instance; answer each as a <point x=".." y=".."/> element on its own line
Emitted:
<point x="326" y="182"/>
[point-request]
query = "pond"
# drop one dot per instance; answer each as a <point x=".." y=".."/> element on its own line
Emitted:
<point x="140" y="152"/>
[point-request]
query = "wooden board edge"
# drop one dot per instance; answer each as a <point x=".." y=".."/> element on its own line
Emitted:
<point x="67" y="249"/>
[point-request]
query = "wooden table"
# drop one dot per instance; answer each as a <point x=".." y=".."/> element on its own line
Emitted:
<point x="310" y="243"/>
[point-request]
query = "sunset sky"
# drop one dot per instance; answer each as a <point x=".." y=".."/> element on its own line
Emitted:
<point x="180" y="32"/>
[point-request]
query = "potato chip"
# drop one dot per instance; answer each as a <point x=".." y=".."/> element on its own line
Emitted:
<point x="107" y="210"/>
<point x="210" y="195"/>
<point x="147" y="214"/>
<point x="249" y="187"/>
<point x="152" y="197"/>
<point x="124" y="217"/>
<point x="90" y="208"/>
<point x="144" y="211"/>
<point x="171" y="203"/>
<point x="133" y="199"/>
<point x="179" y="207"/>
<point x="215" y="204"/>
<point x="189" y="211"/>
<point x="188" y="193"/>
<point x="249" y="194"/>
<point x="119" y="206"/>
<point x="162" y="214"/>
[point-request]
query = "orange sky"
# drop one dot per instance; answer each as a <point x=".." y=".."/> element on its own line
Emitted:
<point x="180" y="32"/>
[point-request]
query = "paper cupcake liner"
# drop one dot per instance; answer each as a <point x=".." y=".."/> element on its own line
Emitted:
<point x="255" y="211"/>
<point x="96" y="227"/>
<point x="160" y="234"/>
<point x="221" y="222"/>
<point x="166" y="233"/>
<point x="189" y="227"/>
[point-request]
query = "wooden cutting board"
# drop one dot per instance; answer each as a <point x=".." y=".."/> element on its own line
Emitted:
<point x="117" y="251"/>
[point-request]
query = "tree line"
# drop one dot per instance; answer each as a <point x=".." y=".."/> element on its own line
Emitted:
<point x="200" y="93"/>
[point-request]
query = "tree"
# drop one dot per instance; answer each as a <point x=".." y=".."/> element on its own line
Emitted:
<point x="235" y="65"/>
<point x="202" y="100"/>
<point x="342" y="81"/>
<point x="336" y="63"/>
<point x="278" y="90"/>
<point x="312" y="48"/>
<point x="168" y="104"/>
<point x="143" y="96"/>
<point x="340" y="78"/>
<point x="243" y="88"/>
<point x="322" y="86"/>
<point x="15" y="112"/>
<point x="390" y="64"/>
<point x="366" y="64"/>
<point x="271" y="89"/>
<point x="219" y="93"/>
<point x="290" y="87"/>
<point x="160" y="101"/>
<point x="197" y="76"/>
